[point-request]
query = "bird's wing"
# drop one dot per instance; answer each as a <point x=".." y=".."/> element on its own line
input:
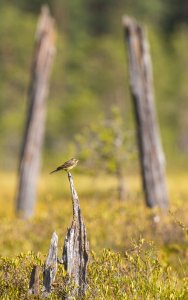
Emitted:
<point x="65" y="165"/>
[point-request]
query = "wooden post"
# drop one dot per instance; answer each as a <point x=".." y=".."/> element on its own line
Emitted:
<point x="149" y="143"/>
<point x="50" y="266"/>
<point x="76" y="247"/>
<point x="35" y="123"/>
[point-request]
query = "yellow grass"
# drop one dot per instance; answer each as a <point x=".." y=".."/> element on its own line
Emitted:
<point x="51" y="187"/>
<point x="109" y="223"/>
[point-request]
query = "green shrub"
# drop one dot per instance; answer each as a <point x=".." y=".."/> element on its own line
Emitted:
<point x="136" y="274"/>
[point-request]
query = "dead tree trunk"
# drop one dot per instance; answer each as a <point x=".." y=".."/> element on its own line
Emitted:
<point x="149" y="143"/>
<point x="35" y="123"/>
<point x="76" y="248"/>
<point x="50" y="266"/>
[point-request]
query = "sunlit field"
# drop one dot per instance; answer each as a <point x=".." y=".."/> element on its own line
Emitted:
<point x="127" y="228"/>
<point x="109" y="222"/>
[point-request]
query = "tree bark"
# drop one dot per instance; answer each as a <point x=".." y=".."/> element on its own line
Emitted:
<point x="76" y="248"/>
<point x="50" y="266"/>
<point x="148" y="136"/>
<point x="35" y="124"/>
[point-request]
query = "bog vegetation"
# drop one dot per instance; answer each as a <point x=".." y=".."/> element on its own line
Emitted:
<point x="134" y="255"/>
<point x="131" y="256"/>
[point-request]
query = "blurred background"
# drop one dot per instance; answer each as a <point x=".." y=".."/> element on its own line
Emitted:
<point x="89" y="88"/>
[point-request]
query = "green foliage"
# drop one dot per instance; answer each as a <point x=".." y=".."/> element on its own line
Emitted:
<point x="137" y="274"/>
<point x="175" y="14"/>
<point x="15" y="53"/>
<point x="15" y="276"/>
<point x="14" y="279"/>
<point x="90" y="73"/>
<point x="107" y="146"/>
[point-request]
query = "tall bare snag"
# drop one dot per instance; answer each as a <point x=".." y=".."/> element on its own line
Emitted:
<point x="35" y="123"/>
<point x="149" y="143"/>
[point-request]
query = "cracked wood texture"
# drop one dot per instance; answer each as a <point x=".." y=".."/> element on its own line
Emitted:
<point x="141" y="82"/>
<point x="50" y="266"/>
<point x="35" y="124"/>
<point x="76" y="248"/>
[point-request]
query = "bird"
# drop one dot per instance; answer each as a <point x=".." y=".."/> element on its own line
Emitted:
<point x="67" y="166"/>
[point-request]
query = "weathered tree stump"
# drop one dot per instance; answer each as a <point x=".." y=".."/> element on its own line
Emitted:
<point x="35" y="123"/>
<point x="76" y="248"/>
<point x="50" y="266"/>
<point x="34" y="281"/>
<point x="149" y="143"/>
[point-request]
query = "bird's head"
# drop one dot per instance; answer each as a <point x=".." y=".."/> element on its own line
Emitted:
<point x="74" y="160"/>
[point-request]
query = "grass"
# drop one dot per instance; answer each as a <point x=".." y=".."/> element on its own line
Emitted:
<point x="161" y="270"/>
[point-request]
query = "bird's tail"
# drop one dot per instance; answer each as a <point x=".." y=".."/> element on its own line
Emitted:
<point x="54" y="171"/>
